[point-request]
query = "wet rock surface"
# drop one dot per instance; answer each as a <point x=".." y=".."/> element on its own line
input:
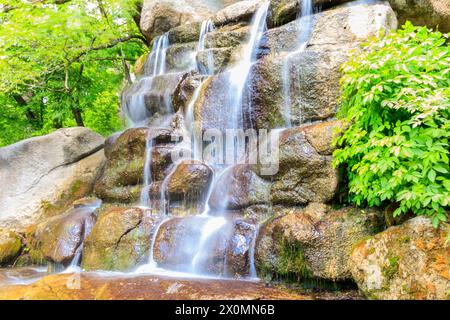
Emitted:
<point x="89" y="286"/>
<point x="120" y="239"/>
<point x="410" y="261"/>
<point x="239" y="187"/>
<point x="59" y="238"/>
<point x="314" y="242"/>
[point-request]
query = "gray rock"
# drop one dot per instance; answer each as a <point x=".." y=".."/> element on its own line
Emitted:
<point x="45" y="171"/>
<point x="159" y="16"/>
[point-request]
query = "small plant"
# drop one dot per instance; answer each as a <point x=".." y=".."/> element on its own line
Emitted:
<point x="396" y="101"/>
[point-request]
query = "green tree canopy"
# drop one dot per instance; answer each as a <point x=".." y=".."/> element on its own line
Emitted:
<point x="63" y="63"/>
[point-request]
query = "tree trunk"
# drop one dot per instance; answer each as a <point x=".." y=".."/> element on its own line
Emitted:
<point x="78" y="117"/>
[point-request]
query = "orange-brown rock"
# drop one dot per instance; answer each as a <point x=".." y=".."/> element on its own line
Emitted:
<point x="93" y="287"/>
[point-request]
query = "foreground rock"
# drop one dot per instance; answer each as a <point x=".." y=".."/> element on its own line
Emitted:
<point x="46" y="174"/>
<point x="59" y="238"/>
<point x="315" y="242"/>
<point x="10" y="246"/>
<point x="411" y="261"/>
<point x="119" y="240"/>
<point x="89" y="286"/>
<point x="430" y="13"/>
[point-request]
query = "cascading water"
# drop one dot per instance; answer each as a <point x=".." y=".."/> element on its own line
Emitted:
<point x="207" y="27"/>
<point x="134" y="100"/>
<point x="305" y="26"/>
<point x="205" y="225"/>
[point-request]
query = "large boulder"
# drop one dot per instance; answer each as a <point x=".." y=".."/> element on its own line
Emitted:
<point x="159" y="16"/>
<point x="120" y="239"/>
<point x="410" y="261"/>
<point x="306" y="173"/>
<point x="297" y="86"/>
<point x="430" y="13"/>
<point x="314" y="242"/>
<point x="10" y="246"/>
<point x="59" y="239"/>
<point x="46" y="174"/>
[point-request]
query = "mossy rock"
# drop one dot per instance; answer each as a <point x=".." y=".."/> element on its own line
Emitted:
<point x="313" y="243"/>
<point x="410" y="261"/>
<point x="10" y="247"/>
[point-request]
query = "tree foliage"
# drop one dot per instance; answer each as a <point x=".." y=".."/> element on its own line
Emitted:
<point x="63" y="63"/>
<point x="396" y="100"/>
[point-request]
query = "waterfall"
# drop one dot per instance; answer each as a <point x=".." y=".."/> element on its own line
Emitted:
<point x="238" y="75"/>
<point x="205" y="225"/>
<point x="305" y="26"/>
<point x="207" y="27"/>
<point x="134" y="98"/>
<point x="145" y="192"/>
<point x="156" y="64"/>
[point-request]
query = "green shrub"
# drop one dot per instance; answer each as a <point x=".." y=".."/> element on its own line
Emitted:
<point x="396" y="101"/>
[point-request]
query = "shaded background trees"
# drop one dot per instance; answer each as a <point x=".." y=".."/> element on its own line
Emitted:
<point x="63" y="63"/>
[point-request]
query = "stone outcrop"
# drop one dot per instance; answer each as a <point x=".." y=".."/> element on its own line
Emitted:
<point x="306" y="173"/>
<point x="303" y="85"/>
<point x="315" y="242"/>
<point x="430" y="13"/>
<point x="46" y="174"/>
<point x="120" y="239"/>
<point x="410" y="261"/>
<point x="159" y="16"/>
<point x="187" y="244"/>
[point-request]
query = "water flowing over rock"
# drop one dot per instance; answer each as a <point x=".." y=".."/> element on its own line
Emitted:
<point x="314" y="72"/>
<point x="121" y="179"/>
<point x="120" y="239"/>
<point x="205" y="245"/>
<point x="314" y="242"/>
<point x="10" y="246"/>
<point x="244" y="189"/>
<point x="430" y="13"/>
<point x="48" y="173"/>
<point x="60" y="238"/>
<point x="410" y="261"/>
<point x="190" y="182"/>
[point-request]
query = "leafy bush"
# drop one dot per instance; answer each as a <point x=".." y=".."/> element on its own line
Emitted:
<point x="396" y="101"/>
